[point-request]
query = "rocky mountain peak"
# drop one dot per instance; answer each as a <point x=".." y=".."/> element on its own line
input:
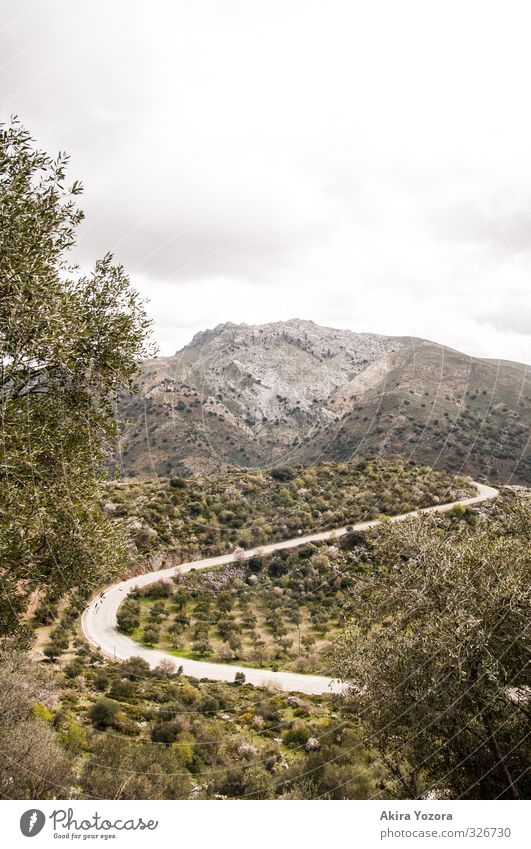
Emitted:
<point x="321" y="342"/>
<point x="293" y="391"/>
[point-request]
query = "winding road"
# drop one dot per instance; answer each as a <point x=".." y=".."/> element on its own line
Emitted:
<point x="99" y="619"/>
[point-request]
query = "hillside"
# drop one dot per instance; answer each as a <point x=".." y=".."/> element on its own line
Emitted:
<point x="177" y="519"/>
<point x="438" y="406"/>
<point x="176" y="737"/>
<point x="293" y="392"/>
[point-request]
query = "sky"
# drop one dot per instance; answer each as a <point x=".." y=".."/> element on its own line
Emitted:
<point x="363" y="165"/>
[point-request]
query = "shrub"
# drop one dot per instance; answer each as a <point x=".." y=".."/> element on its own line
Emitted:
<point x="135" y="667"/>
<point x="208" y="704"/>
<point x="122" y="689"/>
<point x="73" y="669"/>
<point x="178" y="483"/>
<point x="165" y="732"/>
<point x="151" y="636"/>
<point x="103" y="714"/>
<point x="74" y="738"/>
<point x="162" y="589"/>
<point x="151" y="772"/>
<point x="283" y="474"/>
<point x="101" y="681"/>
<point x="127" y="620"/>
<point x="42" y="712"/>
<point x="297" y="735"/>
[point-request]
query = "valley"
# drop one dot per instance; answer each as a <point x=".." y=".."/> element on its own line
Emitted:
<point x="278" y="611"/>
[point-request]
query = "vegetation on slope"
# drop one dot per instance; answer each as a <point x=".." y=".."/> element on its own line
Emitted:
<point x="456" y="583"/>
<point x="446" y="714"/>
<point x="437" y="406"/>
<point x="121" y="731"/>
<point x="196" y="517"/>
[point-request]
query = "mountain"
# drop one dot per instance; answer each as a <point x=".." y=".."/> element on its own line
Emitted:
<point x="294" y="392"/>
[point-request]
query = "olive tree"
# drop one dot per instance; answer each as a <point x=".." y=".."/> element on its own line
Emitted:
<point x="436" y="654"/>
<point x="68" y="342"/>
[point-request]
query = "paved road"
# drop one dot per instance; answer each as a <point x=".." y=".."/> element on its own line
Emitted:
<point x="99" y="619"/>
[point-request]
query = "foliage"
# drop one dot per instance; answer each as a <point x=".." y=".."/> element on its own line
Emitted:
<point x="103" y="713"/>
<point x="67" y="343"/>
<point x="278" y="611"/>
<point x="212" y="515"/>
<point x="119" y="769"/>
<point x="43" y="769"/>
<point x="436" y="614"/>
<point x="436" y="653"/>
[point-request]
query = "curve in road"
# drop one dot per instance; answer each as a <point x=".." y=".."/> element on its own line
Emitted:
<point x="99" y="618"/>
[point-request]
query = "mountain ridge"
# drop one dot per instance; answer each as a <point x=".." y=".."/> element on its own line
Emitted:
<point x="295" y="392"/>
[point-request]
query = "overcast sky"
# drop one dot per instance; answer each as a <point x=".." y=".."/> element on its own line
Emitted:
<point x="365" y="165"/>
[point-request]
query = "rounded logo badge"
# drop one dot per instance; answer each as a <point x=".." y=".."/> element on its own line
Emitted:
<point x="31" y="822"/>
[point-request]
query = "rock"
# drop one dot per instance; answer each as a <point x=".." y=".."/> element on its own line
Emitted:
<point x="246" y="749"/>
<point x="196" y="790"/>
<point x="252" y="580"/>
<point x="312" y="744"/>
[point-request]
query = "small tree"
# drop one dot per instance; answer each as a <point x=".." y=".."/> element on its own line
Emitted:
<point x="127" y="620"/>
<point x="68" y="343"/>
<point x="202" y="646"/>
<point x="436" y="654"/>
<point x="135" y="667"/>
<point x="151" y="636"/>
<point x="103" y="713"/>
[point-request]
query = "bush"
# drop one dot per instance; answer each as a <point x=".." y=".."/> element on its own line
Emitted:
<point x="101" y="681"/>
<point x="74" y="738"/>
<point x="151" y="772"/>
<point x="135" y="667"/>
<point x="151" y="636"/>
<point x="178" y="483"/>
<point x="283" y="474"/>
<point x="297" y="735"/>
<point x="165" y="732"/>
<point x="162" y="589"/>
<point x="122" y="689"/>
<point x="103" y="714"/>
<point x="208" y="704"/>
<point x="42" y="712"/>
<point x="73" y="669"/>
<point x="127" y="620"/>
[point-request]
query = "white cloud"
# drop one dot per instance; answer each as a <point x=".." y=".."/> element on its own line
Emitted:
<point x="363" y="165"/>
